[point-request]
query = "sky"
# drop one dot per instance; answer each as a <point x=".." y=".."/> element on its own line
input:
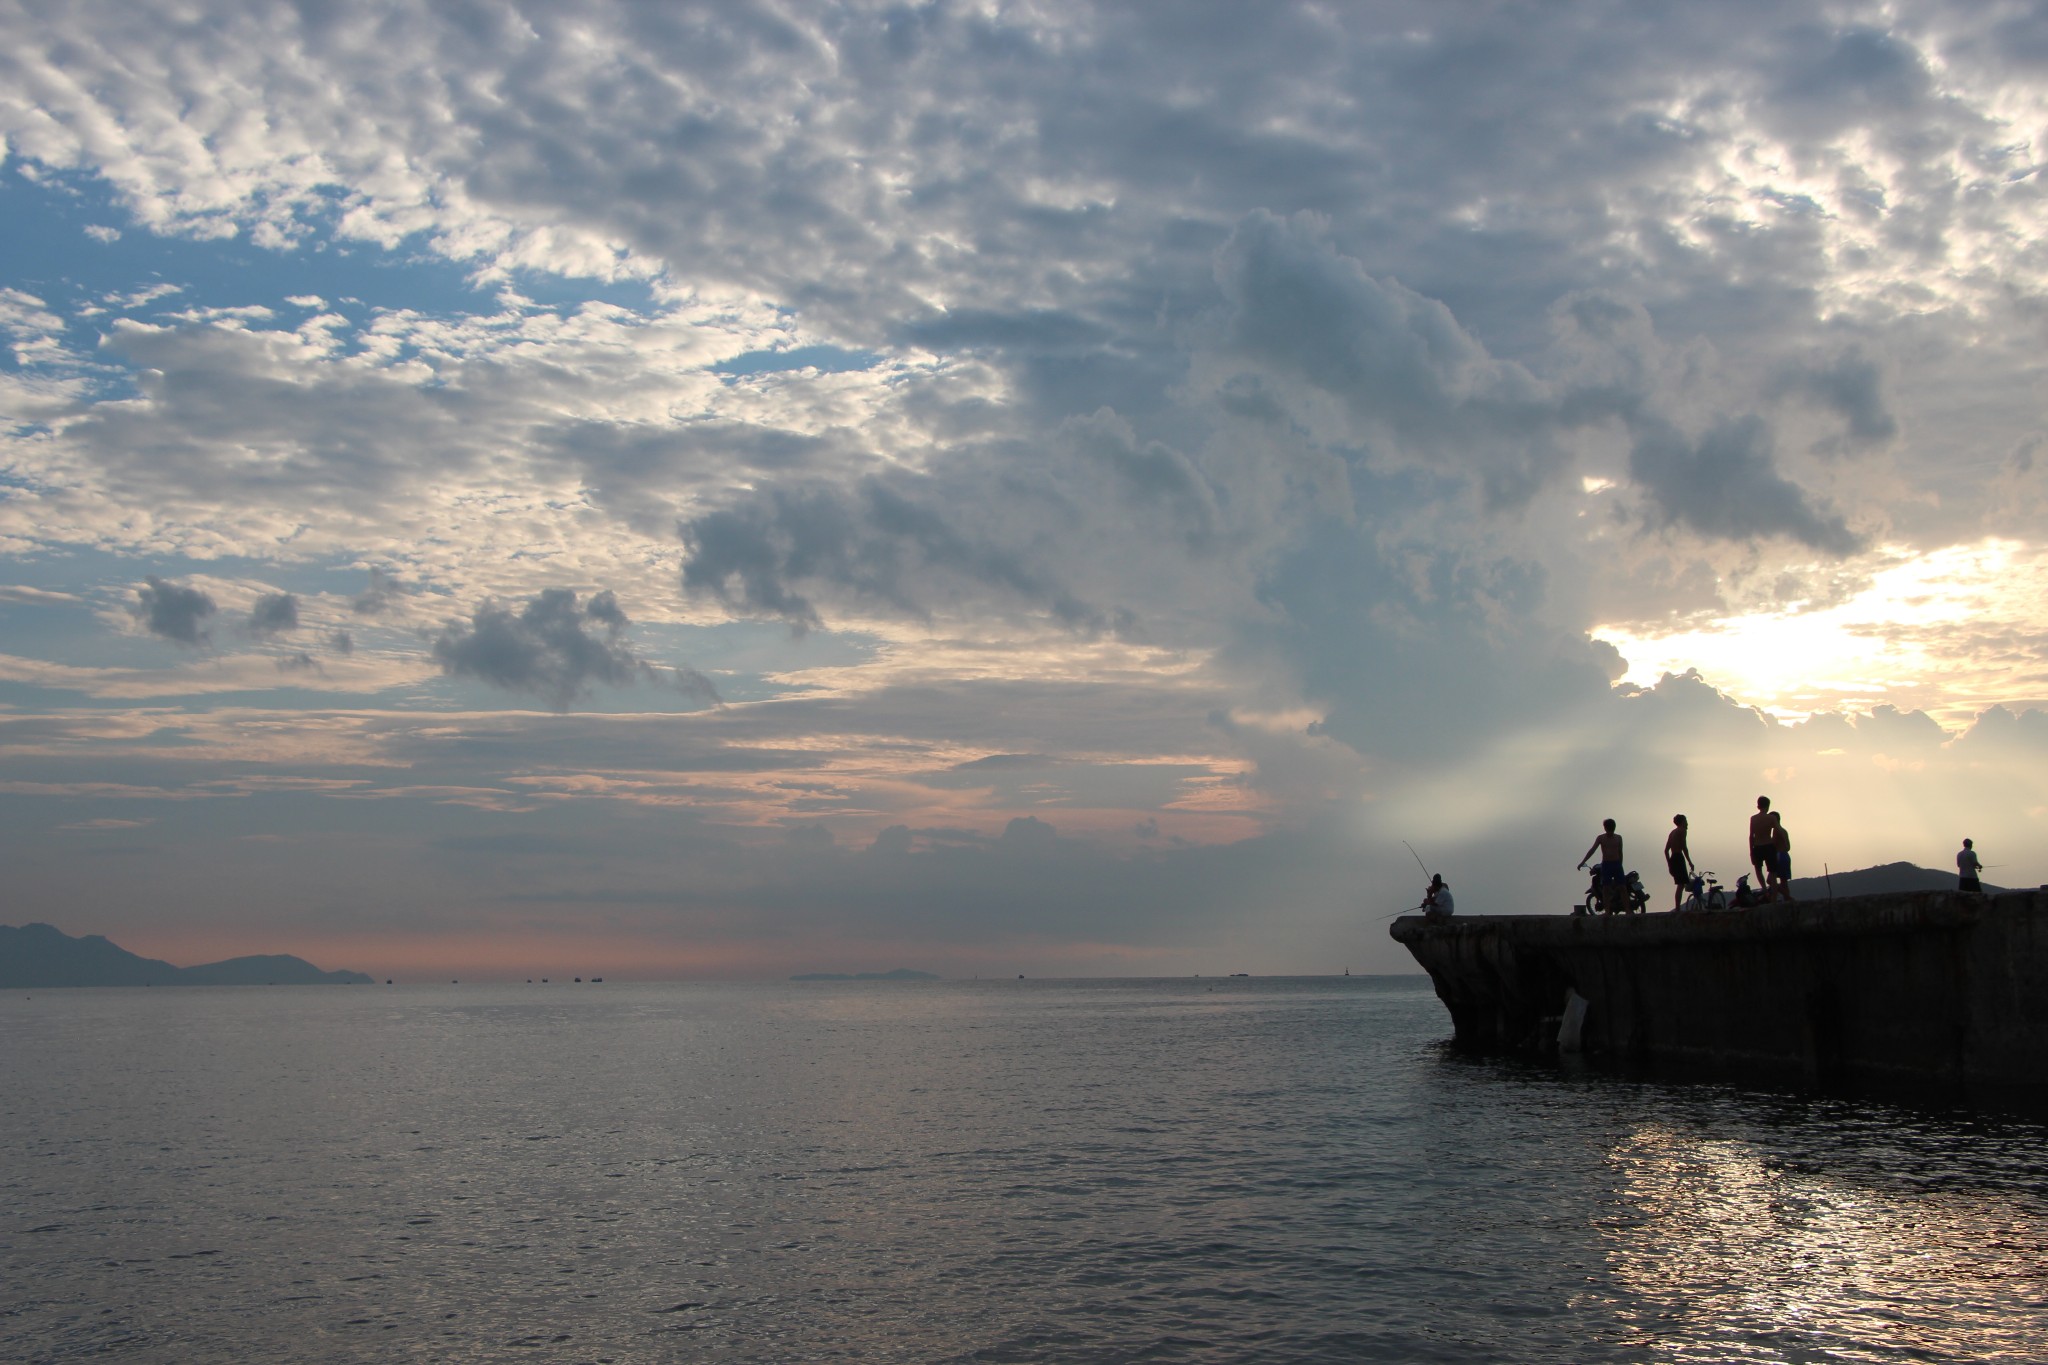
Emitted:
<point x="1050" y="488"/>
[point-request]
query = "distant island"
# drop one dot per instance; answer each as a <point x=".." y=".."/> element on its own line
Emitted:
<point x="900" y="974"/>
<point x="1883" y="880"/>
<point x="39" y="955"/>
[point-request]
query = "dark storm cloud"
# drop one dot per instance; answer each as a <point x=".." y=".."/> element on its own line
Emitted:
<point x="173" y="610"/>
<point x="1726" y="483"/>
<point x="273" y="613"/>
<point x="551" y="648"/>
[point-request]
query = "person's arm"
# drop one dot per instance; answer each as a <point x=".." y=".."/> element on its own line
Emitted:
<point x="1589" y="855"/>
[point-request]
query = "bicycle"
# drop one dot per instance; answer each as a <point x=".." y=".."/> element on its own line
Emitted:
<point x="1706" y="894"/>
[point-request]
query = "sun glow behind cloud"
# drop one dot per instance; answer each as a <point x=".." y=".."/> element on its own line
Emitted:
<point x="1950" y="632"/>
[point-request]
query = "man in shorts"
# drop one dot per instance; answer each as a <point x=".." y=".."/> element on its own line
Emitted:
<point x="1678" y="860"/>
<point x="1760" y="842"/>
<point x="1609" y="874"/>
<point x="1781" y="860"/>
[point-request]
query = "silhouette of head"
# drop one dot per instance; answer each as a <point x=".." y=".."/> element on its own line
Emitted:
<point x="1607" y="825"/>
<point x="1763" y="803"/>
<point x="1678" y="820"/>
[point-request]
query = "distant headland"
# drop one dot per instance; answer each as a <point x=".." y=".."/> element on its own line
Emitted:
<point x="39" y="955"/>
<point x="900" y="974"/>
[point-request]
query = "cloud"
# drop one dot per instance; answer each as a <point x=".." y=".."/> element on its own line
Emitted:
<point x="383" y="592"/>
<point x="1853" y="386"/>
<point x="1396" y="362"/>
<point x="173" y="611"/>
<point x="36" y="597"/>
<point x="881" y="543"/>
<point x="274" y="613"/>
<point x="1725" y="483"/>
<point x="554" y="649"/>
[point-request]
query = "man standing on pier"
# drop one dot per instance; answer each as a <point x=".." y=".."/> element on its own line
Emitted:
<point x="1760" y="842"/>
<point x="1781" y="860"/>
<point x="1678" y="859"/>
<point x="1609" y="874"/>
<point x="1968" y="866"/>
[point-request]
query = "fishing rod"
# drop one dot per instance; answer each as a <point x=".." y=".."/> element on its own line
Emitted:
<point x="1425" y="872"/>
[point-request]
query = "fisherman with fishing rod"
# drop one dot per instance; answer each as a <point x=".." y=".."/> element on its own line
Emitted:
<point x="1437" y="903"/>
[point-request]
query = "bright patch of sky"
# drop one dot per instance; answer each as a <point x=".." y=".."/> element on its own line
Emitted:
<point x="1933" y="631"/>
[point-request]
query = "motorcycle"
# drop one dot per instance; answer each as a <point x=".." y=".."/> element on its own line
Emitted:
<point x="1625" y="897"/>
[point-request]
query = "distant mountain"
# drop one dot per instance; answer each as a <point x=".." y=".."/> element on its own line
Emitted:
<point x="1875" y="881"/>
<point x="900" y="974"/>
<point x="38" y="955"/>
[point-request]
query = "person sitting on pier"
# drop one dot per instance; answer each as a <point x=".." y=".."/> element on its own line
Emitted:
<point x="1968" y="866"/>
<point x="1760" y="842"/>
<point x="1678" y="859"/>
<point x="1781" y="860"/>
<point x="1437" y="902"/>
<point x="1608" y="845"/>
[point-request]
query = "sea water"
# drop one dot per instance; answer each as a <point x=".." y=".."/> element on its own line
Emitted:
<point x="1183" y="1170"/>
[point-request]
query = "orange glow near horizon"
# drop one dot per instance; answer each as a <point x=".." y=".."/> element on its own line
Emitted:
<point x="487" y="956"/>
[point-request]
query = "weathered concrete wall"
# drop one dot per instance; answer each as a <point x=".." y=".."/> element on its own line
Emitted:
<point x="1924" y="988"/>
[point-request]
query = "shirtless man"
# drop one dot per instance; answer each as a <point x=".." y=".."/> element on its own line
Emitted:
<point x="1760" y="842"/>
<point x="1781" y="860"/>
<point x="1679" y="860"/>
<point x="1608" y="845"/>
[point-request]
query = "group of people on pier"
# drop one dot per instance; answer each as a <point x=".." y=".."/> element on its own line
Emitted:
<point x="1770" y="859"/>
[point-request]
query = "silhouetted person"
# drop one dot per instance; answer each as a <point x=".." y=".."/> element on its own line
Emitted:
<point x="1608" y="845"/>
<point x="1678" y="859"/>
<point x="1968" y="865"/>
<point x="1437" y="901"/>
<point x="1760" y="842"/>
<point x="1781" y="860"/>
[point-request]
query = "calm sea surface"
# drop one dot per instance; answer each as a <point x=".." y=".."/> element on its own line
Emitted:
<point x="1199" y="1170"/>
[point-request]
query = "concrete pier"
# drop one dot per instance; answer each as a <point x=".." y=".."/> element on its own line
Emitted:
<point x="1923" y="989"/>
